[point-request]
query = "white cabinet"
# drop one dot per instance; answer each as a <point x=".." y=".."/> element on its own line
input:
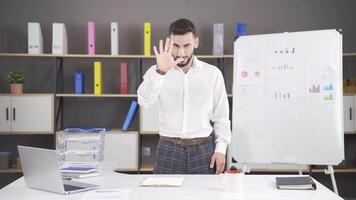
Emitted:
<point x="149" y="119"/>
<point x="5" y="120"/>
<point x="26" y="113"/>
<point x="121" y="150"/>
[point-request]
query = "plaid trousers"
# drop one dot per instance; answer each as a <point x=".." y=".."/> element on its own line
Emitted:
<point x="176" y="159"/>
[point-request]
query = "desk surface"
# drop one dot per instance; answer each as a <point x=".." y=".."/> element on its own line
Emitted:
<point x="195" y="187"/>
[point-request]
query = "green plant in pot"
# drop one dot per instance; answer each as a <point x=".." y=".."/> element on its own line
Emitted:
<point x="16" y="79"/>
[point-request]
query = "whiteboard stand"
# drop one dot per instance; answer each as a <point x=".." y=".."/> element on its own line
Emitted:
<point x="330" y="171"/>
<point x="245" y="168"/>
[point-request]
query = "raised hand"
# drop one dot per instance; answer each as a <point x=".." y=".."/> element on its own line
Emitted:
<point x="164" y="57"/>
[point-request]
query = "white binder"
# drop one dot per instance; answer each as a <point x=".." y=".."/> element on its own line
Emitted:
<point x="114" y="38"/>
<point x="59" y="39"/>
<point x="35" y="41"/>
<point x="218" y="44"/>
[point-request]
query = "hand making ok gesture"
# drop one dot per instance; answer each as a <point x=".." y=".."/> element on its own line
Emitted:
<point x="164" y="57"/>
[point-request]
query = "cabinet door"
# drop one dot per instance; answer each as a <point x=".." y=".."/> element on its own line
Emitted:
<point x="149" y="119"/>
<point x="5" y="114"/>
<point x="121" y="150"/>
<point x="32" y="113"/>
<point x="348" y="113"/>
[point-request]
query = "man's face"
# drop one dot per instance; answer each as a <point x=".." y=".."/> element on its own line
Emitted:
<point x="183" y="47"/>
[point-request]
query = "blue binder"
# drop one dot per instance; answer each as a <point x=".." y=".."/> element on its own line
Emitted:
<point x="130" y="115"/>
<point x="79" y="83"/>
<point x="240" y="30"/>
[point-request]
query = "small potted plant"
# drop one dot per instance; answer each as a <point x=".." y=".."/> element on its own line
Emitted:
<point x="16" y="79"/>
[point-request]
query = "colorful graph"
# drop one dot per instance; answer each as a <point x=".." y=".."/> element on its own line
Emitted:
<point x="283" y="67"/>
<point x="282" y="96"/>
<point x="328" y="87"/>
<point x="314" y="89"/>
<point x="329" y="97"/>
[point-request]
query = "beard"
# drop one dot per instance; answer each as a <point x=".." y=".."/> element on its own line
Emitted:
<point x="183" y="64"/>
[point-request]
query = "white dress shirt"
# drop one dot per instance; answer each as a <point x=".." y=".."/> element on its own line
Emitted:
<point x="188" y="102"/>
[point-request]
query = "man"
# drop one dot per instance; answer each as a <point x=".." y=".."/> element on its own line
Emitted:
<point x="190" y="94"/>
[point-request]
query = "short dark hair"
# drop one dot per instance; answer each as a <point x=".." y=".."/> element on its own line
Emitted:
<point x="181" y="27"/>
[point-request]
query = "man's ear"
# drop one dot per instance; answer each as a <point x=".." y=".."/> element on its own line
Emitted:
<point x="196" y="41"/>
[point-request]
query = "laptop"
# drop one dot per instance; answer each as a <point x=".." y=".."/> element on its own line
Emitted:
<point x="41" y="171"/>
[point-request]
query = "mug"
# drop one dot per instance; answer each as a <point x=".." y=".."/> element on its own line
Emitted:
<point x="232" y="182"/>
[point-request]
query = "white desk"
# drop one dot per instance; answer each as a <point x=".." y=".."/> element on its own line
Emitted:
<point x="195" y="187"/>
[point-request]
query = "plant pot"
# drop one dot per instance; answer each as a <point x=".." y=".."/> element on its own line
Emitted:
<point x="16" y="88"/>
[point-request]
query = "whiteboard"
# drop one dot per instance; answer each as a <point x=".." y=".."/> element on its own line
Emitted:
<point x="287" y="98"/>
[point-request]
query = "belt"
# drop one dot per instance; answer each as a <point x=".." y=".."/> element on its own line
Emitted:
<point x="188" y="142"/>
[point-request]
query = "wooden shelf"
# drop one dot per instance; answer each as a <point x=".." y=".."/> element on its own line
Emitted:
<point x="26" y="133"/>
<point x="149" y="133"/>
<point x="146" y="168"/>
<point x="349" y="54"/>
<point x="99" y="56"/>
<point x="26" y="94"/>
<point x="11" y="170"/>
<point x="126" y="170"/>
<point x="101" y="95"/>
<point x="48" y="55"/>
<point x="350" y="132"/>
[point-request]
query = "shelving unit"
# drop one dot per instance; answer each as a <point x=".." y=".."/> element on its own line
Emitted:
<point x="59" y="95"/>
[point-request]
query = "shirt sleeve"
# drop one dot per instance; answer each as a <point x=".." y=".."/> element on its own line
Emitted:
<point x="220" y="116"/>
<point x="149" y="89"/>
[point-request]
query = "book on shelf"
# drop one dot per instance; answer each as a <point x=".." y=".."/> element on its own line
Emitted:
<point x="130" y="115"/>
<point x="91" y="38"/>
<point x="295" y="183"/>
<point x="35" y="40"/>
<point x="147" y="38"/>
<point x="114" y="38"/>
<point x="59" y="39"/>
<point x="123" y="78"/>
<point x="97" y="78"/>
<point x="218" y="39"/>
<point x="79" y="83"/>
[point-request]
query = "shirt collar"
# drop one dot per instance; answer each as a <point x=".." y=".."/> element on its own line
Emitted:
<point x="196" y="64"/>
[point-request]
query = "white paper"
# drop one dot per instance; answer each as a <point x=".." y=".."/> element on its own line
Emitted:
<point x="163" y="181"/>
<point x="282" y="101"/>
<point x="107" y="194"/>
<point x="282" y="62"/>
<point x="250" y="70"/>
<point x="320" y="87"/>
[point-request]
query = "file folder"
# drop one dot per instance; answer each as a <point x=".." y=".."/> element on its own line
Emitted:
<point x="130" y="115"/>
<point x="59" y="39"/>
<point x="114" y="38"/>
<point x="91" y="38"/>
<point x="240" y="30"/>
<point x="218" y="43"/>
<point x="97" y="78"/>
<point x="79" y="83"/>
<point x="147" y="39"/>
<point x="35" y="40"/>
<point x="123" y="78"/>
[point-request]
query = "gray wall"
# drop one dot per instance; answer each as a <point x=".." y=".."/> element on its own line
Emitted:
<point x="262" y="16"/>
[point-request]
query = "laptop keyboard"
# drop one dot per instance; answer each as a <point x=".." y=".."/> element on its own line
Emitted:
<point x="72" y="187"/>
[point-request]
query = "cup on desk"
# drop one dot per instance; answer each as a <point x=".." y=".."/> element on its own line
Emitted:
<point x="231" y="181"/>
